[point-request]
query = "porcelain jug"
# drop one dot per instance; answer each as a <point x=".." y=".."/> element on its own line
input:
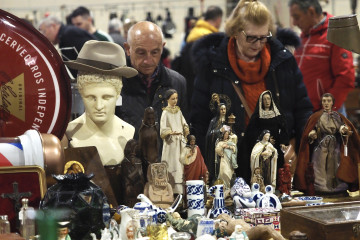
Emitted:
<point x="218" y="208"/>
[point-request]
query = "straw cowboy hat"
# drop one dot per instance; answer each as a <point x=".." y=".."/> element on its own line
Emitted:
<point x="102" y="57"/>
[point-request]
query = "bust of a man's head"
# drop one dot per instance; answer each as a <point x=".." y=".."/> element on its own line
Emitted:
<point x="101" y="66"/>
<point x="99" y="93"/>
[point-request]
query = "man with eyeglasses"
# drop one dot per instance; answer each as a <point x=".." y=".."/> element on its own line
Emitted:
<point x="239" y="65"/>
<point x="326" y="67"/>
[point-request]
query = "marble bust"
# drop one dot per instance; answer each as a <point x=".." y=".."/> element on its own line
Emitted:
<point x="101" y="67"/>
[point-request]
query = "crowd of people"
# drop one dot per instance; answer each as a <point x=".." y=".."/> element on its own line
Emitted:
<point x="240" y="65"/>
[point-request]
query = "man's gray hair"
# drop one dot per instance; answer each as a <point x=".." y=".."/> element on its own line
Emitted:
<point x="305" y="4"/>
<point x="49" y="20"/>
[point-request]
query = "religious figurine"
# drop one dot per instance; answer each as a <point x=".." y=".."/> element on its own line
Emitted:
<point x="257" y="178"/>
<point x="63" y="231"/>
<point x="220" y="229"/>
<point x="227" y="151"/>
<point x="214" y="132"/>
<point x="158" y="189"/>
<point x="264" y="156"/>
<point x="73" y="167"/>
<point x="284" y="179"/>
<point x="266" y="116"/>
<point x="238" y="234"/>
<point x="100" y="86"/>
<point x="173" y="131"/>
<point x="132" y="178"/>
<point x="194" y="165"/>
<point x="325" y="141"/>
<point x="149" y="137"/>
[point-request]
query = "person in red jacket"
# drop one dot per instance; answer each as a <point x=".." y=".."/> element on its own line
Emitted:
<point x="326" y="68"/>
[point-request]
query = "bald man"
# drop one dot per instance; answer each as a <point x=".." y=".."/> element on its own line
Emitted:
<point x="144" y="46"/>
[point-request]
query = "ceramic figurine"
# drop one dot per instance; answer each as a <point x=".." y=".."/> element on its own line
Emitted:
<point x="238" y="234"/>
<point x="269" y="199"/>
<point x="194" y="165"/>
<point x="325" y="142"/>
<point x="149" y="137"/>
<point x="146" y="203"/>
<point x="173" y="131"/>
<point x="73" y="167"/>
<point x="220" y="229"/>
<point x="182" y="225"/>
<point x="214" y="132"/>
<point x="241" y="194"/>
<point x="100" y="88"/>
<point x="267" y="116"/>
<point x="257" y="178"/>
<point x="218" y="208"/>
<point x="284" y="179"/>
<point x="227" y="151"/>
<point x="264" y="156"/>
<point x="158" y="189"/>
<point x="256" y="194"/>
<point x="63" y="232"/>
<point x="132" y="179"/>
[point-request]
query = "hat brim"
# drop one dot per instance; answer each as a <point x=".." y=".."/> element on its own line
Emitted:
<point x="120" y="71"/>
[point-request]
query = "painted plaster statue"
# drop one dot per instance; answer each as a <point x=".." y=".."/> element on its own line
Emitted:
<point x="220" y="229"/>
<point x="73" y="167"/>
<point x="227" y="151"/>
<point x="284" y="179"/>
<point x="149" y="137"/>
<point x="331" y="143"/>
<point x="239" y="234"/>
<point x="194" y="165"/>
<point x="101" y="66"/>
<point x="159" y="189"/>
<point x="257" y="178"/>
<point x="173" y="131"/>
<point x="266" y="116"/>
<point x="214" y="131"/>
<point x="132" y="178"/>
<point x="264" y="155"/>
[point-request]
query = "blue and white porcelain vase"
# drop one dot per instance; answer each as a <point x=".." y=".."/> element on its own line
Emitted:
<point x="195" y="197"/>
<point x="218" y="208"/>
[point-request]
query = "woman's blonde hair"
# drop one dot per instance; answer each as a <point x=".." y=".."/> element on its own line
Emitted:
<point x="247" y="11"/>
<point x="86" y="78"/>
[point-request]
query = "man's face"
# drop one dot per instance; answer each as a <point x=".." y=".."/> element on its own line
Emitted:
<point x="327" y="103"/>
<point x="145" y="52"/>
<point x="99" y="100"/>
<point x="50" y="32"/>
<point x="301" y="19"/>
<point x="82" y="22"/>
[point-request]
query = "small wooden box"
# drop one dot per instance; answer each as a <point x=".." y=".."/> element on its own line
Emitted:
<point x="326" y="222"/>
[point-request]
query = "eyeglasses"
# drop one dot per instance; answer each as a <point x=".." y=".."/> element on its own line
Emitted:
<point x="254" y="39"/>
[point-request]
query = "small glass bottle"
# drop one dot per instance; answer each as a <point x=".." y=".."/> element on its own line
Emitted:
<point x="27" y="220"/>
<point x="4" y="224"/>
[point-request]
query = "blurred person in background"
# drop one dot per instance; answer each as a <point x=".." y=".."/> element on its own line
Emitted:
<point x="241" y="64"/>
<point x="82" y="18"/>
<point x="209" y="23"/>
<point x="114" y="29"/>
<point x="326" y="67"/>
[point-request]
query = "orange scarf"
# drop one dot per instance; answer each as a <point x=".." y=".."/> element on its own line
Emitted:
<point x="251" y="74"/>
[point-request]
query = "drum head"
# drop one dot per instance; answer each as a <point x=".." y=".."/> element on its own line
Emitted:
<point x="35" y="88"/>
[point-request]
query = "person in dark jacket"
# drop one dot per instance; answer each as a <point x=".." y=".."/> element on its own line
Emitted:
<point x="144" y="46"/>
<point x="70" y="38"/>
<point x="244" y="62"/>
